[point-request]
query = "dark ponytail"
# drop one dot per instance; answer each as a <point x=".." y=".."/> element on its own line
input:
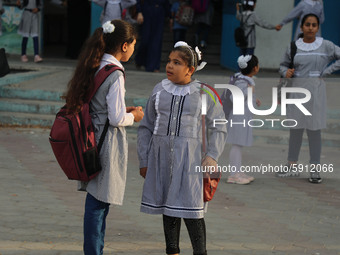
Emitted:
<point x="89" y="59"/>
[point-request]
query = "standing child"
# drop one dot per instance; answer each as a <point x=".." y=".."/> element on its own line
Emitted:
<point x="240" y="135"/>
<point x="169" y="149"/>
<point x="111" y="44"/>
<point x="250" y="19"/>
<point x="179" y="31"/>
<point x="29" y="27"/>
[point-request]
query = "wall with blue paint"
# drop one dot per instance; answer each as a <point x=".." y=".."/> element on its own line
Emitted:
<point x="96" y="10"/>
<point x="10" y="39"/>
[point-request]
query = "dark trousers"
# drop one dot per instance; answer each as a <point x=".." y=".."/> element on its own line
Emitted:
<point x="295" y="142"/>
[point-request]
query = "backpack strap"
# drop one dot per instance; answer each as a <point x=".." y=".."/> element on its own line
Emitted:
<point x="99" y="80"/>
<point x="233" y="79"/>
<point x="293" y="50"/>
<point x="101" y="77"/>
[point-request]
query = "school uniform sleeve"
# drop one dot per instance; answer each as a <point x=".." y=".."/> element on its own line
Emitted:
<point x="145" y="131"/>
<point x="284" y="65"/>
<point x="261" y="22"/>
<point x="296" y="12"/>
<point x="335" y="56"/>
<point x="218" y="132"/>
<point x="115" y="100"/>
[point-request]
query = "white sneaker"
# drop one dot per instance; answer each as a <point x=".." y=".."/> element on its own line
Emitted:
<point x="250" y="178"/>
<point x="37" y="59"/>
<point x="238" y="178"/>
<point x="24" y="58"/>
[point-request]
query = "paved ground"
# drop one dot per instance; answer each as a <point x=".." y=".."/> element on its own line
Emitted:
<point x="41" y="211"/>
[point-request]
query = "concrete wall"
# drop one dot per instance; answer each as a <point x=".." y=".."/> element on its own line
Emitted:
<point x="271" y="44"/>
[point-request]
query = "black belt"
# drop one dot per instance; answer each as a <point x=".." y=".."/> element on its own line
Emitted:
<point x="30" y="10"/>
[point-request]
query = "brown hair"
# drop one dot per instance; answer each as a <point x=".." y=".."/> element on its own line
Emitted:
<point x="82" y="82"/>
<point x="188" y="55"/>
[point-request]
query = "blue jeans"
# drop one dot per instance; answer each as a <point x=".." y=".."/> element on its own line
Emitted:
<point x="94" y="225"/>
<point x="295" y="141"/>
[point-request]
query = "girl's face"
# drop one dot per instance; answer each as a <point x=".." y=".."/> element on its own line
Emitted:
<point x="310" y="28"/>
<point x="177" y="69"/>
<point x="128" y="49"/>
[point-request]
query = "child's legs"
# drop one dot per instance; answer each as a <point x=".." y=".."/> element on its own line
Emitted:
<point x="36" y="45"/>
<point x="172" y="228"/>
<point x="94" y="225"/>
<point x="235" y="158"/>
<point x="295" y="141"/>
<point x="24" y="45"/>
<point x="314" y="139"/>
<point x="197" y="233"/>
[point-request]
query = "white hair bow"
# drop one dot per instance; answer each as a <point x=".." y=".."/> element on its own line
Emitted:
<point x="108" y="27"/>
<point x="242" y="61"/>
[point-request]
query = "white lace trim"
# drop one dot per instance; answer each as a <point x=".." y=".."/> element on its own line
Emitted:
<point x="301" y="45"/>
<point x="178" y="90"/>
<point x="249" y="79"/>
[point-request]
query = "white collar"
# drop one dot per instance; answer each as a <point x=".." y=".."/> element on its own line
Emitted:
<point x="249" y="79"/>
<point x="179" y="90"/>
<point x="301" y="45"/>
<point x="109" y="59"/>
<point x="312" y="2"/>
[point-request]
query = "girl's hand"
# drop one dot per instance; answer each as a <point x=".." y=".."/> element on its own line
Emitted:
<point x="278" y="27"/>
<point x="209" y="162"/>
<point x="138" y="113"/>
<point x="140" y="18"/>
<point x="258" y="102"/>
<point x="142" y="171"/>
<point x="130" y="108"/>
<point x="290" y="73"/>
<point x="35" y="10"/>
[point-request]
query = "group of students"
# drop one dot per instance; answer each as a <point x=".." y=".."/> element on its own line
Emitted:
<point x="170" y="130"/>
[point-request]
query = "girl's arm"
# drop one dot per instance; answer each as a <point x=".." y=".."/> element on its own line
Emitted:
<point x="335" y="53"/>
<point x="293" y="14"/>
<point x="217" y="132"/>
<point x="262" y="23"/>
<point x="115" y="100"/>
<point x="284" y="65"/>
<point x="145" y="131"/>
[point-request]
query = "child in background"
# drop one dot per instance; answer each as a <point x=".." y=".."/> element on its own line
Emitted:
<point x="179" y="31"/>
<point x="29" y="27"/>
<point x="112" y="43"/>
<point x="241" y="135"/>
<point x="169" y="149"/>
<point x="250" y="19"/>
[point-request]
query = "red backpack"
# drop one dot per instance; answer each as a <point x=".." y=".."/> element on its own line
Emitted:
<point x="72" y="137"/>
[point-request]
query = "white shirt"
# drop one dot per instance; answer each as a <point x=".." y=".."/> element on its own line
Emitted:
<point x="115" y="99"/>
